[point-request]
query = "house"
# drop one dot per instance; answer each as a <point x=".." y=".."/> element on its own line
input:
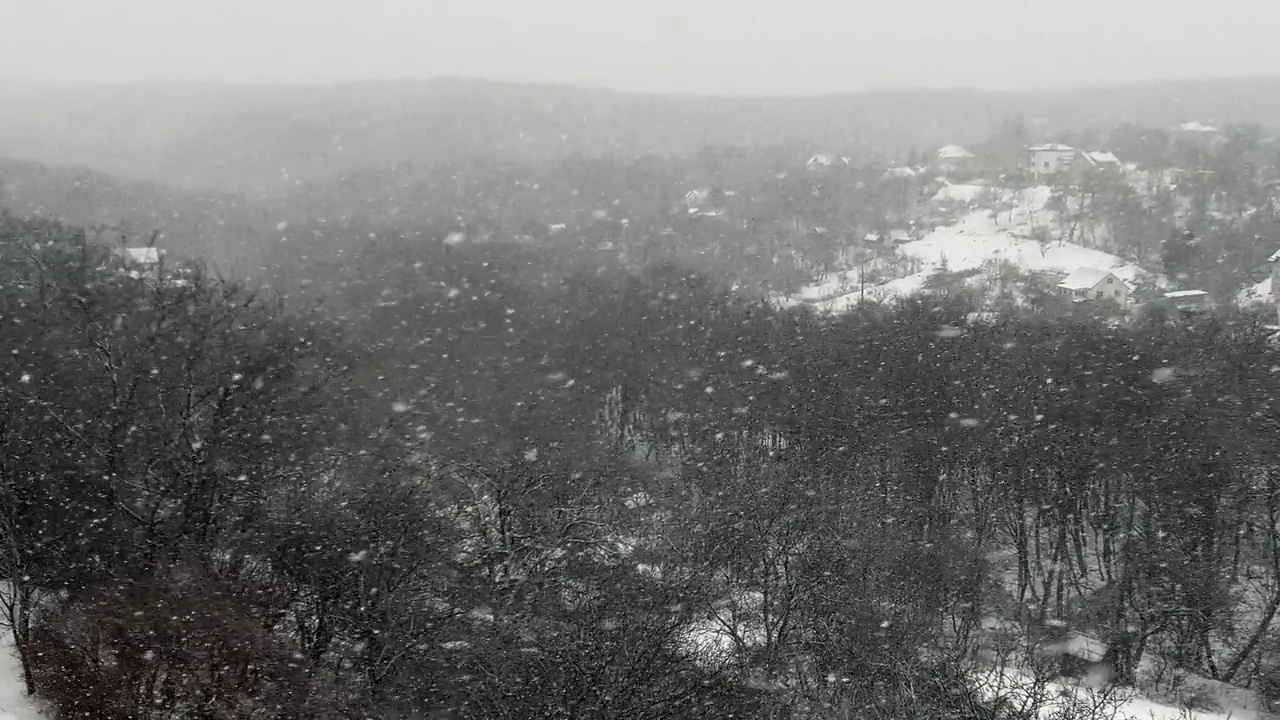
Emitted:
<point x="823" y="162"/>
<point x="709" y="202"/>
<point x="1187" y="300"/>
<point x="899" y="236"/>
<point x="144" y="256"/>
<point x="1050" y="158"/>
<point x="694" y="198"/>
<point x="901" y="172"/>
<point x="1088" y="283"/>
<point x="954" y="159"/>
<point x="141" y="262"/>
<point x="1056" y="159"/>
<point x="1103" y="160"/>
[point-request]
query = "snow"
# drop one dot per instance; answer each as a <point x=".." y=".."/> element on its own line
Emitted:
<point x="1118" y="703"/>
<point x="1052" y="147"/>
<point x="1185" y="294"/>
<point x="960" y="193"/>
<point x="1197" y="126"/>
<point x="1103" y="157"/>
<point x="977" y="240"/>
<point x="1259" y="294"/>
<point x="980" y="238"/>
<point x="1083" y="278"/>
<point x="14" y="704"/>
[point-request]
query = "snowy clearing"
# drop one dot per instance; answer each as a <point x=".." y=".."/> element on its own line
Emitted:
<point x="982" y="238"/>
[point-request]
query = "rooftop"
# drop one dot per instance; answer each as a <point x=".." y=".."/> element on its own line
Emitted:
<point x="1102" y="157"/>
<point x="142" y="255"/>
<point x="1083" y="278"/>
<point x="954" y="151"/>
<point x="1052" y="147"/>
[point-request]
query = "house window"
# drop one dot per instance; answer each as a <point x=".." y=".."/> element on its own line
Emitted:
<point x="1117" y="293"/>
<point x="1098" y="295"/>
<point x="1046" y="164"/>
<point x="1110" y="280"/>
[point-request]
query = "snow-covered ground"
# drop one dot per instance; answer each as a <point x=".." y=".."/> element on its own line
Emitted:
<point x="711" y="643"/>
<point x="962" y="193"/>
<point x="1004" y="233"/>
<point x="14" y="703"/>
<point x="1060" y="698"/>
<point x="1259" y="294"/>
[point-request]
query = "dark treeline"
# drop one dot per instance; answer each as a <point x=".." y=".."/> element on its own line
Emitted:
<point x="450" y="482"/>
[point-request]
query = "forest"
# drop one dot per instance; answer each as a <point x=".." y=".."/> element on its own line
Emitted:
<point x="463" y="481"/>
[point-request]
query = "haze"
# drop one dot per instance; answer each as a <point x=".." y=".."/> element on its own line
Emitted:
<point x="705" y="47"/>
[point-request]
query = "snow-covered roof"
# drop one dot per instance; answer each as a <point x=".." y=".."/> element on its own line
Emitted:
<point x="952" y="152"/>
<point x="1275" y="257"/>
<point x="143" y="255"/>
<point x="1197" y="126"/>
<point x="899" y="235"/>
<point x="1185" y="294"/>
<point x="1102" y="157"/>
<point x="1052" y="147"/>
<point x="1083" y="278"/>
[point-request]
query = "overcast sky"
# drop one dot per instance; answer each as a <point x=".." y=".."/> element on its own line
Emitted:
<point x="698" y="46"/>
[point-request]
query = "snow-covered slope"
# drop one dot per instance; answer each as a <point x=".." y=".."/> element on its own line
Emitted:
<point x="1004" y="233"/>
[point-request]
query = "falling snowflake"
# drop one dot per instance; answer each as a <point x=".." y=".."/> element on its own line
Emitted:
<point x="26" y="378"/>
<point x="399" y="407"/>
<point x="531" y="455"/>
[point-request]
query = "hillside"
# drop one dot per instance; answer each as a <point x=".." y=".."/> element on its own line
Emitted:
<point x="220" y="227"/>
<point x="261" y="138"/>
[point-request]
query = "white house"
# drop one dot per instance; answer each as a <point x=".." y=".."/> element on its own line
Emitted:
<point x="1051" y="158"/>
<point x="953" y="158"/>
<point x="1088" y="283"/>
<point x="822" y="162"/>
<point x="141" y="262"/>
<point x="145" y="256"/>
<point x="1187" y="300"/>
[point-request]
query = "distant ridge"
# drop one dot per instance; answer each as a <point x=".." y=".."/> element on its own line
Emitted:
<point x="261" y="139"/>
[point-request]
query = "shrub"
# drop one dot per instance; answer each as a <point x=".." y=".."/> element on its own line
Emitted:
<point x="150" y="650"/>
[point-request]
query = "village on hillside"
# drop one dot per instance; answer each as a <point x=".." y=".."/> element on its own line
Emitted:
<point x="1051" y="223"/>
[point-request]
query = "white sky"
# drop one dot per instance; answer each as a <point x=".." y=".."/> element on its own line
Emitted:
<point x="702" y="46"/>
